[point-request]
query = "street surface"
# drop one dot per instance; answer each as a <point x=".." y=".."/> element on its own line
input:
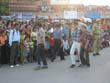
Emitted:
<point x="60" y="72"/>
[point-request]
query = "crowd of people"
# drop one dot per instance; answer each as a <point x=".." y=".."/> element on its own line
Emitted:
<point x="35" y="41"/>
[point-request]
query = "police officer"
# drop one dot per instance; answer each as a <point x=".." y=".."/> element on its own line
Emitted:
<point x="96" y="30"/>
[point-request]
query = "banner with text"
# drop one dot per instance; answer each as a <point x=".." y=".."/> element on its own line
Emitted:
<point x="59" y="2"/>
<point x="70" y="14"/>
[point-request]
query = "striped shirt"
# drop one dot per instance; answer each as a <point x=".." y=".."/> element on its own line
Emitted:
<point x="75" y="35"/>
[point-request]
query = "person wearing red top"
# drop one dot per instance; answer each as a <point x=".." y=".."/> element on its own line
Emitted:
<point x="52" y="41"/>
<point x="52" y="47"/>
<point x="84" y="53"/>
<point x="105" y="26"/>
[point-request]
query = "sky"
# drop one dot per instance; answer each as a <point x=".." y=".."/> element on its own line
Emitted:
<point x="85" y="2"/>
<point x="91" y="2"/>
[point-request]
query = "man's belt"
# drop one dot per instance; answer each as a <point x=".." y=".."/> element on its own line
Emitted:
<point x="15" y="42"/>
<point x="96" y="34"/>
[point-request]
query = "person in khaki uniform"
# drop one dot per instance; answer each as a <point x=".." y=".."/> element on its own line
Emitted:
<point x="22" y="37"/>
<point x="96" y="30"/>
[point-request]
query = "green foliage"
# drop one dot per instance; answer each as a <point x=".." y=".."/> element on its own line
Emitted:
<point x="4" y="10"/>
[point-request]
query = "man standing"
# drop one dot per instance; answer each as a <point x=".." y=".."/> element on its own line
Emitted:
<point x="75" y="34"/>
<point x="57" y="34"/>
<point x="96" y="30"/>
<point x="66" y="31"/>
<point x="0" y="54"/>
<point x="40" y="52"/>
<point x="84" y="53"/>
<point x="14" y="41"/>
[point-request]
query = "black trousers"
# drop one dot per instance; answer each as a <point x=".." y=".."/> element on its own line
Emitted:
<point x="4" y="55"/>
<point x="14" y="53"/>
<point x="57" y="46"/>
<point x="40" y="55"/>
<point x="52" y="52"/>
<point x="7" y="50"/>
<point x="61" y="53"/>
<point x="84" y="56"/>
<point x="59" y="49"/>
<point x="0" y="55"/>
<point x="67" y="51"/>
<point x="31" y="53"/>
<point x="34" y="51"/>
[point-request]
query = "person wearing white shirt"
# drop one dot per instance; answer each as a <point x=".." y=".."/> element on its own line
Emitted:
<point x="66" y="46"/>
<point x="34" y="35"/>
<point x="14" y="41"/>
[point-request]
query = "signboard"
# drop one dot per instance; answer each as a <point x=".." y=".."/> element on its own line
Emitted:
<point x="70" y="14"/>
<point x="93" y="15"/>
<point x="105" y="17"/>
<point x="28" y="16"/>
<point x="59" y="2"/>
<point x="44" y="17"/>
<point x="25" y="15"/>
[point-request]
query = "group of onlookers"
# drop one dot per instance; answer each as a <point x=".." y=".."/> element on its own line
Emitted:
<point x="22" y="42"/>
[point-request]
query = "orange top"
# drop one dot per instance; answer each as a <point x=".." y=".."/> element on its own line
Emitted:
<point x="105" y="27"/>
<point x="2" y="40"/>
<point x="27" y="31"/>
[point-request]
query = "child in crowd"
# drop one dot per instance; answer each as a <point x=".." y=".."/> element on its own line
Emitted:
<point x="47" y="45"/>
<point x="52" y="47"/>
<point x="105" y="41"/>
<point x="66" y="48"/>
<point x="34" y="39"/>
<point x="26" y="48"/>
<point x="31" y="51"/>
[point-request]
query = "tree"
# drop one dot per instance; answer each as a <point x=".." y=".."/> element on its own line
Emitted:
<point x="4" y="10"/>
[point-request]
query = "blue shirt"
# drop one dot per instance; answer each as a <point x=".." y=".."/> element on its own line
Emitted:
<point x="14" y="36"/>
<point x="102" y="34"/>
<point x="57" y="34"/>
<point x="88" y="28"/>
<point x="66" y="31"/>
<point x="75" y="34"/>
<point x="47" y="44"/>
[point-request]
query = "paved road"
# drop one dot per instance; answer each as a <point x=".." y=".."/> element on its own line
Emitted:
<point x="59" y="72"/>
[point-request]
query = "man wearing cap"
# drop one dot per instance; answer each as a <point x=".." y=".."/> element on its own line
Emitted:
<point x="84" y="53"/>
<point x="96" y="31"/>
